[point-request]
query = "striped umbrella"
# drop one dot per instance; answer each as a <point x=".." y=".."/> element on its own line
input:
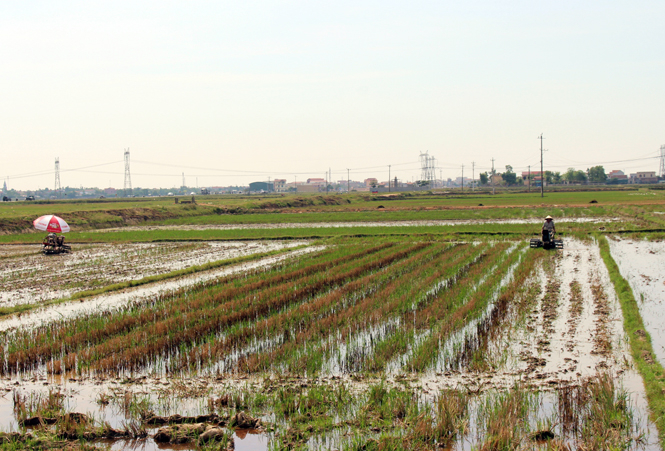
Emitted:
<point x="51" y="223"/>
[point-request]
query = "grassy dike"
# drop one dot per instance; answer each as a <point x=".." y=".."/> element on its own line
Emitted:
<point x="640" y="342"/>
<point x="516" y="231"/>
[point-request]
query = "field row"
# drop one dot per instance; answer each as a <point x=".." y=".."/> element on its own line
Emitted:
<point x="344" y="309"/>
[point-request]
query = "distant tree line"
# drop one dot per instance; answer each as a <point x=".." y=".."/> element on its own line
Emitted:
<point x="595" y="174"/>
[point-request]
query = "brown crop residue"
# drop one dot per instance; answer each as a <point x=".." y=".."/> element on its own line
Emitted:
<point x="602" y="337"/>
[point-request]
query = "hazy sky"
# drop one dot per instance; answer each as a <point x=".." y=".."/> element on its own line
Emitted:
<point x="233" y="92"/>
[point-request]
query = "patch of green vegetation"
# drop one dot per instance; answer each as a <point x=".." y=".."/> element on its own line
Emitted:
<point x="16" y="216"/>
<point x="452" y="231"/>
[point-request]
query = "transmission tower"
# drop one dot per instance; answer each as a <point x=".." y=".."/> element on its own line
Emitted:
<point x="424" y="166"/>
<point x="57" y="187"/>
<point x="662" y="160"/>
<point x="428" y="168"/>
<point x="128" y="177"/>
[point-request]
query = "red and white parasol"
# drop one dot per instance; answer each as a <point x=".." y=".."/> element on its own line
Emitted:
<point x="51" y="223"/>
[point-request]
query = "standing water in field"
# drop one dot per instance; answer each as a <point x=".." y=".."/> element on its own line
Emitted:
<point x="325" y="225"/>
<point x="114" y="300"/>
<point x="642" y="264"/>
<point x="30" y="277"/>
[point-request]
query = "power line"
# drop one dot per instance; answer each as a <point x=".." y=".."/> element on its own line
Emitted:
<point x="36" y="174"/>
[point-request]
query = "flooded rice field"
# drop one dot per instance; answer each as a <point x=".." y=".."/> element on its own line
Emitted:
<point x="296" y="225"/>
<point x="27" y="276"/>
<point x="112" y="301"/>
<point x="427" y="345"/>
<point x="642" y="264"/>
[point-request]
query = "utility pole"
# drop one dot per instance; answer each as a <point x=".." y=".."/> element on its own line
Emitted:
<point x="128" y="177"/>
<point x="462" y="178"/>
<point x="492" y="176"/>
<point x="473" y="175"/>
<point x="529" y="179"/>
<point x="542" y="174"/>
<point x="348" y="181"/>
<point x="57" y="187"/>
<point x="388" y="178"/>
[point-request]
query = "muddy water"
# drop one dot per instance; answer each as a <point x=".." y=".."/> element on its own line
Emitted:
<point x="28" y="276"/>
<point x="114" y="300"/>
<point x="569" y="351"/>
<point x="642" y="264"/>
<point x="20" y="250"/>
<point x="549" y="352"/>
<point x="242" y="441"/>
<point x="82" y="395"/>
<point x="297" y="225"/>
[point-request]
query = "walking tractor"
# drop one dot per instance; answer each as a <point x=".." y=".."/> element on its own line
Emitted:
<point x="548" y="241"/>
<point x="53" y="244"/>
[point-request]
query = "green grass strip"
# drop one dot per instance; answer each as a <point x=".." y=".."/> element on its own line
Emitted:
<point x="22" y="308"/>
<point x="652" y="373"/>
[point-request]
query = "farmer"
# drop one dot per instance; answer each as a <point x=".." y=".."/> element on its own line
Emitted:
<point x="548" y="228"/>
<point x="50" y="239"/>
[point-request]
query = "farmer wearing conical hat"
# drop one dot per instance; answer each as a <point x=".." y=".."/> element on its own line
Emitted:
<point x="548" y="228"/>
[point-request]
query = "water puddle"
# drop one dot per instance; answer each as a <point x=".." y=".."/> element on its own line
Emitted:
<point x="243" y="440"/>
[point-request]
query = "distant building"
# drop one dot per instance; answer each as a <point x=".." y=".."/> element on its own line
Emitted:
<point x="643" y="177"/>
<point x="371" y="182"/>
<point x="467" y="181"/>
<point x="617" y="174"/>
<point x="280" y="185"/>
<point x="536" y="178"/>
<point x="110" y="191"/>
<point x="258" y="187"/>
<point x="316" y="181"/>
<point x="304" y="188"/>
